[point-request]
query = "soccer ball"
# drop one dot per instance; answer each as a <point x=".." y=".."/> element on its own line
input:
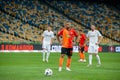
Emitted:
<point x="48" y="72"/>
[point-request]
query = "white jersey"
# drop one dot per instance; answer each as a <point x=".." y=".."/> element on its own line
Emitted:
<point x="93" y="37"/>
<point x="47" y="36"/>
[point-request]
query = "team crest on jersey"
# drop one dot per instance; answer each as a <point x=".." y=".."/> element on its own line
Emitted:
<point x="68" y="35"/>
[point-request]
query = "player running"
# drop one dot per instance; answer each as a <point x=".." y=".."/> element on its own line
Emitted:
<point x="81" y="40"/>
<point x="67" y="34"/>
<point x="94" y="40"/>
<point x="47" y="39"/>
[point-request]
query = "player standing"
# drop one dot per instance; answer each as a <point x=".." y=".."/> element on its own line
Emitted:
<point x="67" y="34"/>
<point x="94" y="40"/>
<point x="81" y="40"/>
<point x="47" y="39"/>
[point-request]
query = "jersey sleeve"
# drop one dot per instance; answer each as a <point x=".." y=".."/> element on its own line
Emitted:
<point x="60" y="32"/>
<point x="75" y="33"/>
<point x="43" y="35"/>
<point x="52" y="35"/>
<point x="84" y="36"/>
<point x="99" y="34"/>
<point x="88" y="34"/>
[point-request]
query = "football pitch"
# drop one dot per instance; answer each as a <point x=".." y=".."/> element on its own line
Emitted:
<point x="29" y="66"/>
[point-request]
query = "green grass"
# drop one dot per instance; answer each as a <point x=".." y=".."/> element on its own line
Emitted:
<point x="29" y="66"/>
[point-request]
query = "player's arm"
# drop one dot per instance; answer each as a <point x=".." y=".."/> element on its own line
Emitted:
<point x="86" y="40"/>
<point x="58" y="38"/>
<point x="100" y="37"/>
<point x="58" y="35"/>
<point x="42" y="37"/>
<point x="75" y="41"/>
<point x="52" y="39"/>
<point x="76" y="37"/>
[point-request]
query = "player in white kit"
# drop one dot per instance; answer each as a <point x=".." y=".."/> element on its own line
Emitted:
<point x="47" y="39"/>
<point x="95" y="38"/>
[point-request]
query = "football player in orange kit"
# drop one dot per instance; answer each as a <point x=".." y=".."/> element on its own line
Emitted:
<point x="68" y="35"/>
<point x="81" y="40"/>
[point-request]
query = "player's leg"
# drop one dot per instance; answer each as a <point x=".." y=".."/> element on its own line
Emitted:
<point x="97" y="56"/>
<point x="80" y="54"/>
<point x="48" y="52"/>
<point x="61" y="59"/>
<point x="68" y="63"/>
<point x="98" y="59"/>
<point x="90" y="58"/>
<point x="43" y="54"/>
<point x="69" y="54"/>
<point x="43" y="51"/>
<point x="83" y="55"/>
<point x="90" y="51"/>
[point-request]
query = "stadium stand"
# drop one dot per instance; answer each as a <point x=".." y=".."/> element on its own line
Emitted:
<point x="105" y="18"/>
<point x="33" y="22"/>
<point x="25" y="20"/>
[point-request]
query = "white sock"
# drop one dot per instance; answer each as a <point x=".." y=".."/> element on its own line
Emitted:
<point x="43" y="55"/>
<point x="90" y="59"/>
<point x="47" y="56"/>
<point x="98" y="58"/>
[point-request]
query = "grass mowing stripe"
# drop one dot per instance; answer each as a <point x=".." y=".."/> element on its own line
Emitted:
<point x="22" y="66"/>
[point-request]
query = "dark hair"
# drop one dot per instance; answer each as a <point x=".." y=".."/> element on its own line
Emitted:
<point x="80" y="30"/>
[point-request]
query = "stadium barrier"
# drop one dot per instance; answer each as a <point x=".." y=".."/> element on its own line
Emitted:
<point x="54" y="48"/>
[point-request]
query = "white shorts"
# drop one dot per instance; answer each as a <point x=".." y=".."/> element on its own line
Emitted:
<point x="93" y="49"/>
<point x="46" y="46"/>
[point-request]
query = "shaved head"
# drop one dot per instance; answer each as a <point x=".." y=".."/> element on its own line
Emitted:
<point x="93" y="27"/>
<point x="49" y="28"/>
<point x="67" y="25"/>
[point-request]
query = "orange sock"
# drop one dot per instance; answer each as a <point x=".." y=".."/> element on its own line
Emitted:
<point x="68" y="62"/>
<point x="60" y="61"/>
<point x="82" y="56"/>
<point x="79" y="55"/>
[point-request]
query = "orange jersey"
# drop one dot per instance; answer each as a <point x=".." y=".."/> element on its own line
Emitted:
<point x="67" y="37"/>
<point x="82" y="39"/>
